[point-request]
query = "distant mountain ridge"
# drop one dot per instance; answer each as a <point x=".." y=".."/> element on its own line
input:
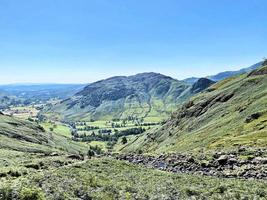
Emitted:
<point x="223" y="75"/>
<point x="146" y="95"/>
<point x="33" y="92"/>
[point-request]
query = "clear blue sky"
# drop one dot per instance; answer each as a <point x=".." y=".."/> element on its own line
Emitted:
<point x="86" y="40"/>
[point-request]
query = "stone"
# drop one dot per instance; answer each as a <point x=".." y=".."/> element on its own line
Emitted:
<point x="76" y="157"/>
<point x="222" y="160"/>
<point x="260" y="160"/>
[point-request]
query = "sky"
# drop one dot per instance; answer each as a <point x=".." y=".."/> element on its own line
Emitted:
<point x="81" y="41"/>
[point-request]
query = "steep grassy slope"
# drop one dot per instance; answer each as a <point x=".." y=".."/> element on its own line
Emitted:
<point x="28" y="137"/>
<point x="147" y="95"/>
<point x="229" y="114"/>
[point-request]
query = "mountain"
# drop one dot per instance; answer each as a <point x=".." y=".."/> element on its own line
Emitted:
<point x="147" y="95"/>
<point x="223" y="75"/>
<point x="41" y="92"/>
<point x="230" y="114"/>
<point x="201" y="84"/>
<point x="191" y="80"/>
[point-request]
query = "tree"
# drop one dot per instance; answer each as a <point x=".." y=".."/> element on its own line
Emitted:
<point x="124" y="140"/>
<point x="90" y="153"/>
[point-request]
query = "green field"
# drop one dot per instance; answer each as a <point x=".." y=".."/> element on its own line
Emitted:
<point x="58" y="128"/>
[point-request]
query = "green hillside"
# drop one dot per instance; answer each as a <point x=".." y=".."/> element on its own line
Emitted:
<point x="148" y="95"/>
<point x="40" y="161"/>
<point x="230" y="114"/>
<point x="108" y="179"/>
<point x="29" y="137"/>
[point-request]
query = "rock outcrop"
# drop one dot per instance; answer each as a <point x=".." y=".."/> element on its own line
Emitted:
<point x="221" y="164"/>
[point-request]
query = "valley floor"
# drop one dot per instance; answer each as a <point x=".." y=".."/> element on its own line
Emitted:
<point x="105" y="178"/>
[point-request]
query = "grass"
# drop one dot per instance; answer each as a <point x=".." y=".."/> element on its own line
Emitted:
<point x="57" y="128"/>
<point x="110" y="179"/>
<point x="25" y="136"/>
<point x="119" y="146"/>
<point x="102" y="145"/>
<point x="222" y="126"/>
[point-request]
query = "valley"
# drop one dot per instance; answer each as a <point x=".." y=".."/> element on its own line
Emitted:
<point x="172" y="140"/>
<point x="133" y="100"/>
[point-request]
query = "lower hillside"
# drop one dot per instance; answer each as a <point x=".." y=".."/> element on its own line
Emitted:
<point x="38" y="164"/>
<point x="230" y="114"/>
<point x="29" y="137"/>
<point x="103" y="178"/>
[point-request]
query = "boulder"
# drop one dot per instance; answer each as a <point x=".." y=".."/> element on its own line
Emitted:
<point x="252" y="117"/>
<point x="222" y="160"/>
<point x="260" y="160"/>
<point x="75" y="157"/>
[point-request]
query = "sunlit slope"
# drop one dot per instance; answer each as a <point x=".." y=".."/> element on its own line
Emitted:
<point x="143" y="95"/>
<point x="25" y="136"/>
<point x="150" y="96"/>
<point x="229" y="114"/>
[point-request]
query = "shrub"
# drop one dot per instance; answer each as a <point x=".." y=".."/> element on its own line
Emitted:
<point x="90" y="153"/>
<point x="124" y="140"/>
<point x="6" y="193"/>
<point x="31" y="194"/>
<point x="191" y="192"/>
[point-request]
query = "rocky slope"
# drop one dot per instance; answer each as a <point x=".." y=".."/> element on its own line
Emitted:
<point x="146" y="95"/>
<point x="231" y="113"/>
<point x="220" y="164"/>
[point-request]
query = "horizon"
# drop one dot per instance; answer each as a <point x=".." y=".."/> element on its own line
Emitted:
<point x="85" y="83"/>
<point x="41" y="42"/>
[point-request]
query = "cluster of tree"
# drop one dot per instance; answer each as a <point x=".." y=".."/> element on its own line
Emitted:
<point x="81" y="123"/>
<point x="94" y="150"/>
<point x="147" y="124"/>
<point x="104" y="131"/>
<point x="131" y="131"/>
<point x="41" y="117"/>
<point x="88" y="128"/>
<point x="106" y="137"/>
<point x="32" y="120"/>
<point x="116" y="125"/>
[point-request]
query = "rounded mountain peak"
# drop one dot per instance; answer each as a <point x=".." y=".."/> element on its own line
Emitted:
<point x="201" y="84"/>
